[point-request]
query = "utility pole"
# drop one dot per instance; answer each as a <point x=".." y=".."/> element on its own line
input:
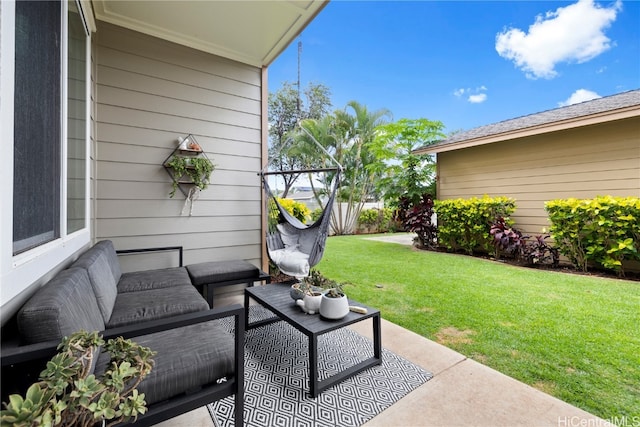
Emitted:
<point x="299" y="54"/>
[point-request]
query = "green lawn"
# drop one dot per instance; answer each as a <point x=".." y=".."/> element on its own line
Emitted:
<point x="574" y="337"/>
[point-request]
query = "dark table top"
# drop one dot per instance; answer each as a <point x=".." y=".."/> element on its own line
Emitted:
<point x="275" y="297"/>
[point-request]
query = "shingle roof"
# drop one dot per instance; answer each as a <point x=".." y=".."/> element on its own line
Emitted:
<point x="587" y="108"/>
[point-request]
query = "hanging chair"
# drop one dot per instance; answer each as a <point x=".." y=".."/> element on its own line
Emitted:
<point x="295" y="247"/>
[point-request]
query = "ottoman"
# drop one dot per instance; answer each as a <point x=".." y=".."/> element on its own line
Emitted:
<point x="215" y="274"/>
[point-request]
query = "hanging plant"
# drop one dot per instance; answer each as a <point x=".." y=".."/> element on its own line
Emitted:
<point x="197" y="170"/>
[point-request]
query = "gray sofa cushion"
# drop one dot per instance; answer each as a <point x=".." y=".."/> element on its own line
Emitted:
<point x="152" y="304"/>
<point x="64" y="305"/>
<point x="221" y="271"/>
<point x="103" y="267"/>
<point x="153" y="279"/>
<point x="186" y="359"/>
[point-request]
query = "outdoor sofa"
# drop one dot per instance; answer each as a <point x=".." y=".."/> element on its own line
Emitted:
<point x="197" y="361"/>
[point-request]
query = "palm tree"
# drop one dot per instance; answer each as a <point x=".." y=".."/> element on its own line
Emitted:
<point x="355" y="132"/>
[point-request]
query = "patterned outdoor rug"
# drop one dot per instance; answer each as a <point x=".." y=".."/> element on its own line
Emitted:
<point x="277" y="387"/>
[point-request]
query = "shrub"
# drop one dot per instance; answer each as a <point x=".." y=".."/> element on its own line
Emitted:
<point x="604" y="230"/>
<point x="538" y="252"/>
<point x="416" y="217"/>
<point x="297" y="209"/>
<point x="466" y="223"/>
<point x="506" y="239"/>
<point x="375" y="220"/>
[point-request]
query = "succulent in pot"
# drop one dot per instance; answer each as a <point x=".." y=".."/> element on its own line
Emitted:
<point x="334" y="304"/>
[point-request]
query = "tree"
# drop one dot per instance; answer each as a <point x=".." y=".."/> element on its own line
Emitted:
<point x="406" y="175"/>
<point x="355" y="131"/>
<point x="408" y="180"/>
<point x="285" y="109"/>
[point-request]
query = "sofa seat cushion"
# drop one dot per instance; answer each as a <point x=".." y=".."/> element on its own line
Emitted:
<point x="221" y="271"/>
<point x="103" y="267"/>
<point x="152" y="304"/>
<point x="153" y="279"/>
<point x="187" y="358"/>
<point x="64" y="305"/>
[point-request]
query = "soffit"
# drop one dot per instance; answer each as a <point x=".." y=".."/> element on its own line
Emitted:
<point x="251" y="32"/>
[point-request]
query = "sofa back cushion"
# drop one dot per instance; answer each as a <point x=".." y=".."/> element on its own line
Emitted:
<point x="64" y="305"/>
<point x="102" y="266"/>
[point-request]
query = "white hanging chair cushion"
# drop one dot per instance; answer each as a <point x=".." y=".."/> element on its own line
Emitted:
<point x="291" y="262"/>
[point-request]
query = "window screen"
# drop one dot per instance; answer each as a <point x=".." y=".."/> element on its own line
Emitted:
<point x="37" y="122"/>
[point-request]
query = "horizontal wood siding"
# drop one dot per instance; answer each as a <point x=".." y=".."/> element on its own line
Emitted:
<point x="149" y="93"/>
<point x="582" y="163"/>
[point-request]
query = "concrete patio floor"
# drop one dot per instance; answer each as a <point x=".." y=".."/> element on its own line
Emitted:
<point x="462" y="391"/>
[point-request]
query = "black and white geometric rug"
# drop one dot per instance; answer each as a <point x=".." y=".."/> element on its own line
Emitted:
<point x="277" y="379"/>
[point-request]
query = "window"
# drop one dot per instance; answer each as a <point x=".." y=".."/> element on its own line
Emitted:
<point x="36" y="125"/>
<point x="76" y="122"/>
<point x="50" y="122"/>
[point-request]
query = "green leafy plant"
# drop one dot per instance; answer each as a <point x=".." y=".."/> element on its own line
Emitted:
<point x="375" y="220"/>
<point x="69" y="394"/>
<point x="197" y="169"/>
<point x="466" y="223"/>
<point x="298" y="210"/>
<point x="604" y="231"/>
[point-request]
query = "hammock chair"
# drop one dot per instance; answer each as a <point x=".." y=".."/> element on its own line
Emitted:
<point x="295" y="247"/>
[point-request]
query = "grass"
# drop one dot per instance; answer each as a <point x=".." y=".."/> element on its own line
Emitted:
<point x="574" y="337"/>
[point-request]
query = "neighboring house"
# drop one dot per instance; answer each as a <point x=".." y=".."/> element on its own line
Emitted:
<point x="94" y="96"/>
<point x="581" y="151"/>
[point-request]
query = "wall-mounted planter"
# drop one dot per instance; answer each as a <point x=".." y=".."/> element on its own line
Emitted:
<point x="189" y="168"/>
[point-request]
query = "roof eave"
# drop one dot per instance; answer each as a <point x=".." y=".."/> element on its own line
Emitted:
<point x="602" y="117"/>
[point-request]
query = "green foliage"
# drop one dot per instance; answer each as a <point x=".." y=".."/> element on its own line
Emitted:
<point x="405" y="175"/>
<point x="69" y="394"/>
<point x="376" y="220"/>
<point x="298" y="210"/>
<point x="285" y="109"/>
<point x="604" y="230"/>
<point x="316" y="282"/>
<point x="568" y="333"/>
<point x="466" y="223"/>
<point x="197" y="169"/>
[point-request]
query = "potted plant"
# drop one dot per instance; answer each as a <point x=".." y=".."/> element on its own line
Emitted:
<point x="334" y="304"/>
<point x="311" y="290"/>
<point x="69" y="394"/>
<point x="197" y="170"/>
<point x="313" y="284"/>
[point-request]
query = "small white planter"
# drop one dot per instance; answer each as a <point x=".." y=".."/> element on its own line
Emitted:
<point x="310" y="303"/>
<point x="334" y="308"/>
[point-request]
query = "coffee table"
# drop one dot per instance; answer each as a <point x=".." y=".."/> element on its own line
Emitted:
<point x="275" y="297"/>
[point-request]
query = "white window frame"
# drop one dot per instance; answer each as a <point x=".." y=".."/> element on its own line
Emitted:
<point x="20" y="272"/>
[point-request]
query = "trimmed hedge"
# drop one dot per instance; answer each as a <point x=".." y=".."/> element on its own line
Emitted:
<point x="375" y="220"/>
<point x="465" y="223"/>
<point x="604" y="231"/>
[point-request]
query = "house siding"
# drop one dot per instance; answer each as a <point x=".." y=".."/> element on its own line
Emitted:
<point x="149" y="93"/>
<point x="584" y="162"/>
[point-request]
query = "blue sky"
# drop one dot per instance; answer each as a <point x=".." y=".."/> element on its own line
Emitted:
<point x="467" y="64"/>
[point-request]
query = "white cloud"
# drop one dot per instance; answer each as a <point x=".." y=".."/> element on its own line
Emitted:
<point x="580" y="95"/>
<point x="477" y="99"/>
<point x="475" y="96"/>
<point x="574" y="33"/>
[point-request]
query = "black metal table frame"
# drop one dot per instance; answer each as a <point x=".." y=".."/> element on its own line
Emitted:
<point x="270" y="297"/>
